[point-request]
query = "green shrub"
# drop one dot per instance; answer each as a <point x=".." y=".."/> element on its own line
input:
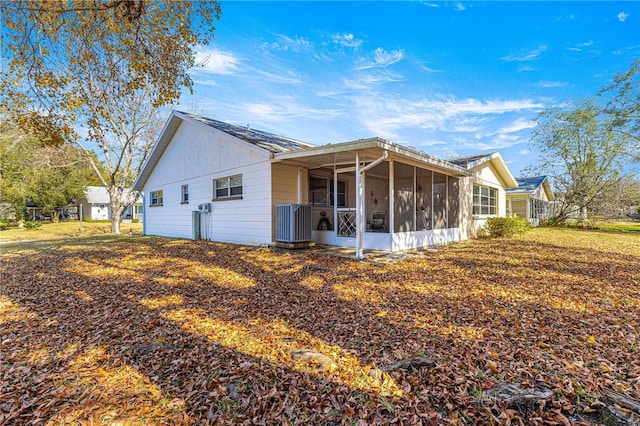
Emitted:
<point x="32" y="225"/>
<point x="498" y="227"/>
<point x="4" y="225"/>
<point x="135" y="220"/>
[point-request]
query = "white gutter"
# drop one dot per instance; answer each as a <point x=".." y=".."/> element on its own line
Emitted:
<point x="360" y="219"/>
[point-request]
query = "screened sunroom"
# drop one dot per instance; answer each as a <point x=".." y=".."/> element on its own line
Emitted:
<point x="375" y="195"/>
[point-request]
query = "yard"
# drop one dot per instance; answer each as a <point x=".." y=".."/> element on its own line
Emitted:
<point x="142" y="330"/>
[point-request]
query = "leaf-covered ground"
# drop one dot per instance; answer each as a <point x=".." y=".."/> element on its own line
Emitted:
<point x="158" y="331"/>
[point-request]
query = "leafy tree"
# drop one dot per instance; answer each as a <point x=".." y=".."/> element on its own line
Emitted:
<point x="103" y="66"/>
<point x="617" y="201"/>
<point x="49" y="176"/>
<point x="16" y="154"/>
<point x="581" y="152"/>
<point x="623" y="106"/>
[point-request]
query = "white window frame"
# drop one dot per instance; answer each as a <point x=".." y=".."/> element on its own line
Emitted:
<point x="327" y="190"/>
<point x="232" y="184"/>
<point x="184" y="194"/>
<point x="156" y="198"/>
<point x="485" y="201"/>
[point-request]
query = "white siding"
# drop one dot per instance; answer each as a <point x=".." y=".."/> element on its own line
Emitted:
<point x="486" y="175"/>
<point x="196" y="156"/>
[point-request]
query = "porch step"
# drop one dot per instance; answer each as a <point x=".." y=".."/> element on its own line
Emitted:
<point x="295" y="246"/>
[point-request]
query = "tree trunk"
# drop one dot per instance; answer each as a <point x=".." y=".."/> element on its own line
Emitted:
<point x="115" y="223"/>
<point x="55" y="216"/>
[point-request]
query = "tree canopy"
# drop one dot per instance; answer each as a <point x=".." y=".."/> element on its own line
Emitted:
<point x="49" y="176"/>
<point x="94" y="73"/>
<point x="589" y="147"/>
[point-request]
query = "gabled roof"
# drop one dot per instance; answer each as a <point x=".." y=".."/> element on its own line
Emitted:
<point x="99" y="194"/>
<point x="263" y="142"/>
<point x="472" y="161"/>
<point x="268" y="141"/>
<point x="96" y="195"/>
<point x="529" y="185"/>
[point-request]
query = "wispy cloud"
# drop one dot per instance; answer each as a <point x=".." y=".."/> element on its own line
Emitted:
<point x="293" y="43"/>
<point x="525" y="55"/>
<point x="581" y="46"/>
<point x="365" y="81"/>
<point x="551" y="84"/>
<point x="284" y="109"/>
<point x="460" y="7"/>
<point x="518" y="125"/>
<point x="622" y="16"/>
<point x="215" y="61"/>
<point x="382" y="58"/>
<point x="388" y="117"/>
<point x="526" y="68"/>
<point x="346" y="40"/>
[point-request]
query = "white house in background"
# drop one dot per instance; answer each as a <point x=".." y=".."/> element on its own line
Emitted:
<point x="491" y="182"/>
<point x="95" y="205"/>
<point x="532" y="199"/>
<point x="364" y="194"/>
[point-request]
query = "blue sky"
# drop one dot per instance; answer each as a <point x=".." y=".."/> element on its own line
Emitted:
<point x="448" y="78"/>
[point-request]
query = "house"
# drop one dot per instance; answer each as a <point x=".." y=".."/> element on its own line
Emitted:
<point x="364" y="194"/>
<point x="491" y="182"/>
<point x="532" y="199"/>
<point x="95" y="205"/>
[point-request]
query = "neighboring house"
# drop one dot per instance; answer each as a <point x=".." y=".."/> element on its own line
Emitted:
<point x="532" y="199"/>
<point x="95" y="205"/>
<point x="365" y="194"/>
<point x="491" y="182"/>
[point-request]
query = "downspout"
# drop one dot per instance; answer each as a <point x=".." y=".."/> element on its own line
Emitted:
<point x="144" y="215"/>
<point x="360" y="171"/>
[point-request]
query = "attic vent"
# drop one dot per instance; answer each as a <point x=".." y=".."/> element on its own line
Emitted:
<point x="293" y="223"/>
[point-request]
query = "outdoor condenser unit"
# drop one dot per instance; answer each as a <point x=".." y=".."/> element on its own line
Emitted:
<point x="293" y="223"/>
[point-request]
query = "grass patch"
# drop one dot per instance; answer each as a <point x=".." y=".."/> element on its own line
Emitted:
<point x="620" y="227"/>
<point x="67" y="229"/>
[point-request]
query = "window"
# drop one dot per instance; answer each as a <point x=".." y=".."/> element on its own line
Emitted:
<point x="228" y="187"/>
<point x="184" y="194"/>
<point x="321" y="192"/>
<point x="485" y="200"/>
<point x="156" y="198"/>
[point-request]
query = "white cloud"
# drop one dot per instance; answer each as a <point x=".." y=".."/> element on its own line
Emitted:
<point x="387" y="116"/>
<point x="284" y="109"/>
<point x="580" y="46"/>
<point x="622" y="16"/>
<point x="215" y="61"/>
<point x="385" y="58"/>
<point x="526" y="68"/>
<point x="460" y="7"/>
<point x="551" y="84"/>
<point x="525" y="55"/>
<point x="296" y="42"/>
<point x="517" y="126"/>
<point x="346" y="40"/>
<point x="382" y="58"/>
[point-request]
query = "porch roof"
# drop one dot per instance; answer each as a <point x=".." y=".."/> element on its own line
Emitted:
<point x="368" y="150"/>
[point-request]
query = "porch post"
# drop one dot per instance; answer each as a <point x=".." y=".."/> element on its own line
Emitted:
<point x="335" y="201"/>
<point x="359" y="203"/>
<point x="299" y="185"/>
<point x="391" y="201"/>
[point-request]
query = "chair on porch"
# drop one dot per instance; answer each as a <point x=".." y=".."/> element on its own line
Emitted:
<point x="378" y="222"/>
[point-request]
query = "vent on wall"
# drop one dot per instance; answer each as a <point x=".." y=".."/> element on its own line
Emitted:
<point x="293" y="223"/>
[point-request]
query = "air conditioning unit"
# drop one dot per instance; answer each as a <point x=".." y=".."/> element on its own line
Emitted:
<point x="293" y="223"/>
